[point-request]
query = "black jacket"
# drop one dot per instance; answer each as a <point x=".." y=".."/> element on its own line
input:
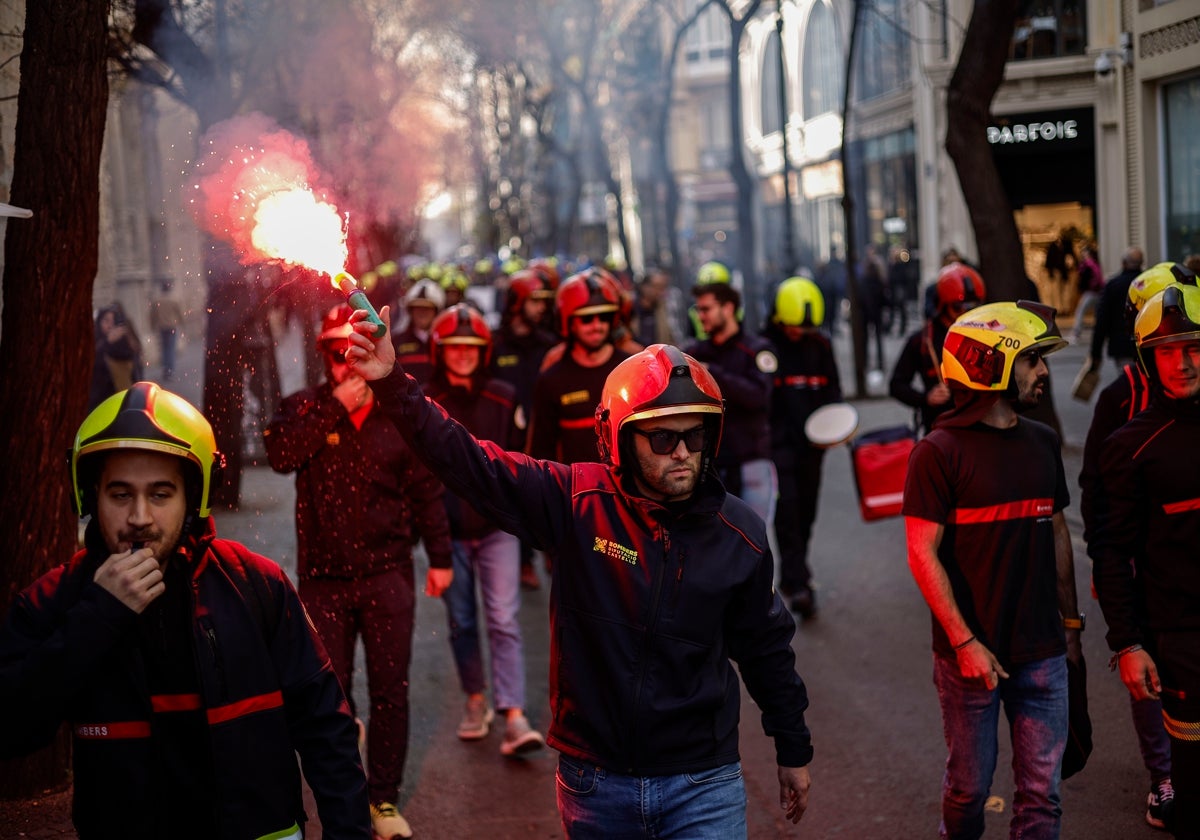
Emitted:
<point x="647" y="605"/>
<point x="1150" y="473"/>
<point x="744" y="367"/>
<point x="1110" y="318"/>
<point x="920" y="357"/>
<point x="69" y="651"/>
<point x="363" y="498"/>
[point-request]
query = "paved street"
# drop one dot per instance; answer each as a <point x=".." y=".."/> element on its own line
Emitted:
<point x="866" y="660"/>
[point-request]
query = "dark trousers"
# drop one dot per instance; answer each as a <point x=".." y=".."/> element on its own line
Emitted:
<point x="1177" y="656"/>
<point x="799" y="490"/>
<point x="379" y="608"/>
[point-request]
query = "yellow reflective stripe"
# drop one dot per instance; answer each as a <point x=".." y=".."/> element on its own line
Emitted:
<point x="1181" y="730"/>
<point x="292" y="832"/>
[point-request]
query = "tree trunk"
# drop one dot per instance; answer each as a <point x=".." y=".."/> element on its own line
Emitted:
<point x="46" y="344"/>
<point x="976" y="78"/>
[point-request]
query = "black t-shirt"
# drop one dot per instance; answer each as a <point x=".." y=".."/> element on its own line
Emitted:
<point x="995" y="491"/>
<point x="565" y="396"/>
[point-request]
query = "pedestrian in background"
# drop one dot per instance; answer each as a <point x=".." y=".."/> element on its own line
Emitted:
<point x="195" y="689"/>
<point x="1091" y="284"/>
<point x="663" y="582"/>
<point x="166" y="317"/>
<point x="1112" y="325"/>
<point x="356" y="572"/>
<point x="118" y="362"/>
<point x="485" y="557"/>
<point x="989" y="549"/>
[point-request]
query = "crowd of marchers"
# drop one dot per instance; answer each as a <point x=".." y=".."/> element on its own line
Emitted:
<point x="656" y="461"/>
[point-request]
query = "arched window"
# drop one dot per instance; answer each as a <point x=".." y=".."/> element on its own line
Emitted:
<point x="771" y="119"/>
<point x="823" y="71"/>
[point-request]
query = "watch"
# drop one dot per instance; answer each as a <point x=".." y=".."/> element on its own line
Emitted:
<point x="1076" y="623"/>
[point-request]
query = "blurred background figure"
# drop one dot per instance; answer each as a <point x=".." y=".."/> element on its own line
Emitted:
<point x="806" y="379"/>
<point x="118" y="361"/>
<point x="958" y="289"/>
<point x="656" y="309"/>
<point x="1090" y="280"/>
<point x="166" y="317"/>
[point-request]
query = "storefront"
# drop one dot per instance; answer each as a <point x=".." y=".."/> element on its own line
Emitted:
<point x="1047" y="162"/>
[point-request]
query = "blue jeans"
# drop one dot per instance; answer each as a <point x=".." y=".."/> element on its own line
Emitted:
<point x="760" y="487"/>
<point x="706" y="805"/>
<point x="495" y="562"/>
<point x="1035" y="702"/>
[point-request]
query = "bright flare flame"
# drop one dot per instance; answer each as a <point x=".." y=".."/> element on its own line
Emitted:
<point x="293" y="226"/>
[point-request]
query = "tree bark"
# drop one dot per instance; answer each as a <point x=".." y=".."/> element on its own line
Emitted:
<point x="973" y="86"/>
<point x="50" y="264"/>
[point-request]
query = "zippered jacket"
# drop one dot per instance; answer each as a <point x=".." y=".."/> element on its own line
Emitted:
<point x="648" y="605"/>
<point x="69" y="651"/>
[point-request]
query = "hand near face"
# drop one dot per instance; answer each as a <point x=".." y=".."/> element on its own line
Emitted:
<point x="134" y="578"/>
<point x="352" y="392"/>
<point x="369" y="357"/>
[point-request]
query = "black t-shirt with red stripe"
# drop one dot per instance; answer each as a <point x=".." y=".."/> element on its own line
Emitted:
<point x="565" y="396"/>
<point x="995" y="491"/>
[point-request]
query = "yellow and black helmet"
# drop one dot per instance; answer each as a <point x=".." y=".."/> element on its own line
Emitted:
<point x="982" y="345"/>
<point x="146" y="417"/>
<point x="799" y="303"/>
<point x="1171" y="315"/>
<point x="1152" y="281"/>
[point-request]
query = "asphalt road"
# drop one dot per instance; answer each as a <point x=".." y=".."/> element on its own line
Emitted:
<point x="866" y="660"/>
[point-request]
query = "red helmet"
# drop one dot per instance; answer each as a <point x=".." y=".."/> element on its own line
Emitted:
<point x="523" y="285"/>
<point x="335" y="325"/>
<point x="461" y="324"/>
<point x="959" y="288"/>
<point x="547" y="269"/>
<point x="589" y="292"/>
<point x="655" y="382"/>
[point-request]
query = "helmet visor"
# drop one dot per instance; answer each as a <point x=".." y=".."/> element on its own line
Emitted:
<point x="982" y="364"/>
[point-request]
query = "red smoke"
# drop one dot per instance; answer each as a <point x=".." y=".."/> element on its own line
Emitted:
<point x="242" y="161"/>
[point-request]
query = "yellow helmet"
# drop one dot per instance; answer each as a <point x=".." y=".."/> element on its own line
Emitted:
<point x="1152" y="281"/>
<point x="982" y="345"/>
<point x="799" y="303"/>
<point x="146" y="417"/>
<point x="712" y="272"/>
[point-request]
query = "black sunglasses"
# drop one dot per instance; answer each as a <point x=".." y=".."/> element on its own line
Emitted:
<point x="664" y="441"/>
<point x="338" y="356"/>
<point x="606" y="317"/>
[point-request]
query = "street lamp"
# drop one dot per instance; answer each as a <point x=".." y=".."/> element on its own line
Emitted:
<point x="789" y="245"/>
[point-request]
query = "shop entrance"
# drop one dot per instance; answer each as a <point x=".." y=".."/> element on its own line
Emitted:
<point x="1047" y="162"/>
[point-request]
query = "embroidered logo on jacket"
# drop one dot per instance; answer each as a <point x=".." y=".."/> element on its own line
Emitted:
<point x="609" y="548"/>
<point x="573" y="398"/>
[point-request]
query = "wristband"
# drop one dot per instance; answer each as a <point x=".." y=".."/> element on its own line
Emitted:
<point x="1116" y="657"/>
<point x="964" y="643"/>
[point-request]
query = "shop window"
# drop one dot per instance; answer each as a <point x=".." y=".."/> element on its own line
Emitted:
<point x="1181" y="123"/>
<point x="1048" y="29"/>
